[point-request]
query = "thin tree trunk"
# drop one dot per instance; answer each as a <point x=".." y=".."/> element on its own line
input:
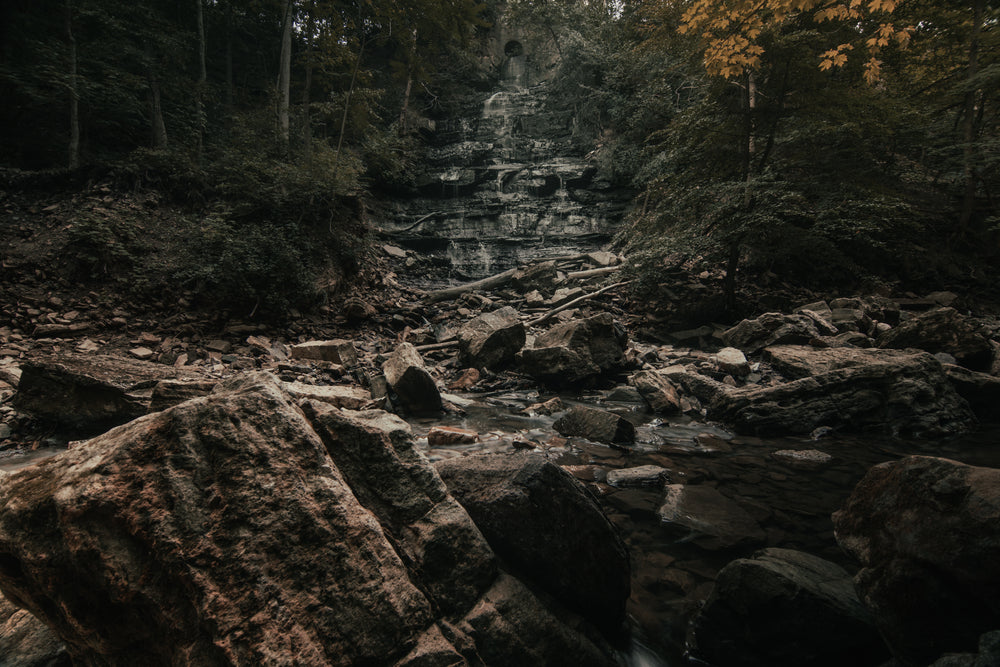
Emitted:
<point x="306" y="115"/>
<point x="969" y="124"/>
<point x="157" y="126"/>
<point x="409" y="84"/>
<point x="202" y="80"/>
<point x="285" y="77"/>
<point x="229" y="57"/>
<point x="347" y="105"/>
<point x="74" y="93"/>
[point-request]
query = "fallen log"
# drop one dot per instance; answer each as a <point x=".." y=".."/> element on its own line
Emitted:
<point x="437" y="346"/>
<point x="458" y="290"/>
<point x="547" y="316"/>
<point x="592" y="273"/>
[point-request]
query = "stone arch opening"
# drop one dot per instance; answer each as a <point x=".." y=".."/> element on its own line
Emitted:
<point x="513" y="48"/>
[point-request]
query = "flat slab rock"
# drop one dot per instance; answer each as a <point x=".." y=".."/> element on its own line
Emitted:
<point x="712" y="520"/>
<point x="241" y="529"/>
<point x="92" y="392"/>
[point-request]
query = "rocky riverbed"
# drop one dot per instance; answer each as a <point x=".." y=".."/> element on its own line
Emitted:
<point x="473" y="441"/>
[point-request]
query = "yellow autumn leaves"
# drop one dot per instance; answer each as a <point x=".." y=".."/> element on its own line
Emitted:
<point x="730" y="29"/>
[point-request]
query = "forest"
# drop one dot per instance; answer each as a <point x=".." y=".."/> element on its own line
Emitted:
<point x="820" y="141"/>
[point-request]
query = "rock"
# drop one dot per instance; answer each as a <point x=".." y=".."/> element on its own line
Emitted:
<point x="772" y="329"/>
<point x="574" y="351"/>
<point x="926" y="532"/>
<point x="595" y="424"/>
<point x="350" y="397"/>
<point x="220" y="346"/>
<point x="900" y="392"/>
<point x="62" y="330"/>
<point x="356" y="309"/>
<point x="604" y="258"/>
<point x="712" y="520"/>
<point x="168" y="393"/>
<point x="785" y="607"/>
<point x="541" y="276"/>
<point x="237" y="528"/>
<point x="803" y="458"/>
<point x="988" y="656"/>
<point x="549" y="407"/>
<point x="641" y="476"/>
<point x="27" y="642"/>
<point x="443" y="436"/>
<point x="91" y="392"/>
<point x="335" y="351"/>
<point x="943" y="330"/>
<point x="850" y="319"/>
<point x="821" y="308"/>
<point x="466" y="380"/>
<point x="657" y="391"/>
<point x="491" y="340"/>
<point x="142" y="353"/>
<point x="565" y="295"/>
<point x="11" y="374"/>
<point x="523" y="504"/>
<point x="404" y="371"/>
<point x="394" y="251"/>
<point x="731" y="361"/>
<point x="399" y="431"/>
<point x="982" y="391"/>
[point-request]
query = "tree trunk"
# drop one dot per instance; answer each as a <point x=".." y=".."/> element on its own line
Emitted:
<point x="306" y="115"/>
<point x="285" y="77"/>
<point x="74" y="93"/>
<point x="157" y="126"/>
<point x="409" y="84"/>
<point x="969" y="124"/>
<point x="202" y="79"/>
<point x="347" y="105"/>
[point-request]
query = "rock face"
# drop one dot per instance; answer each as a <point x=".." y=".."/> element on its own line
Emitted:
<point x="404" y="371"/>
<point x="785" y="607"/>
<point x="926" y="532"/>
<point x="943" y="330"/>
<point x="26" y="642"/>
<point x="595" y="424"/>
<point x="523" y="505"/>
<point x="575" y="351"/>
<point x="491" y="340"/>
<point x="238" y="529"/>
<point x="91" y="392"/>
<point x="885" y="390"/>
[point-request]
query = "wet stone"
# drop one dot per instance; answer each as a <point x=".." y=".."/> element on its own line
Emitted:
<point x="641" y="476"/>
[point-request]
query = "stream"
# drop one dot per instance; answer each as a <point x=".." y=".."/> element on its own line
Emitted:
<point x="672" y="575"/>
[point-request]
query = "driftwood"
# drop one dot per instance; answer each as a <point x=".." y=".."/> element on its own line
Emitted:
<point x="437" y="346"/>
<point x="591" y="273"/>
<point x="566" y="306"/>
<point x="458" y="290"/>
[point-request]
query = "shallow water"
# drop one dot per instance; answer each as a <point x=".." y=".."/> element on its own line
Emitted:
<point x="671" y="575"/>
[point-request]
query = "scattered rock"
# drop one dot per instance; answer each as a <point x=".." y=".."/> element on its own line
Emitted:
<point x="712" y="520"/>
<point x="926" y="532"/>
<point x="466" y="380"/>
<point x="491" y="340"/>
<point x="142" y="353"/>
<point x="900" y="392"/>
<point x="540" y="276"/>
<point x="339" y="396"/>
<point x="335" y="351"/>
<point x="657" y="391"/>
<point x="549" y="407"/>
<point x="785" y="607"/>
<point x="443" y="436"/>
<point x="91" y="392"/>
<point x="574" y="351"/>
<point x="641" y="476"/>
<point x="943" y="330"/>
<point x="595" y="424"/>
<point x="803" y="458"/>
<point x="415" y="388"/>
<point x="27" y="642"/>
<point x="773" y="329"/>
<point x="731" y="361"/>
<point x="523" y="504"/>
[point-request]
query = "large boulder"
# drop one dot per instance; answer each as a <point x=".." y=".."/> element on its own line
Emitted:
<point x="784" y="607"/>
<point x="239" y="529"/>
<point x="776" y="329"/>
<point x="710" y="519"/>
<point x="943" y="330"/>
<point x="595" y="424"/>
<point x="857" y="389"/>
<point x="335" y="351"/>
<point x="660" y="395"/>
<point x="91" y="392"/>
<point x="525" y="506"/>
<point x="412" y="383"/>
<point x="492" y="339"/>
<point x="26" y="642"/>
<point x="575" y="351"/>
<point x="926" y="532"/>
